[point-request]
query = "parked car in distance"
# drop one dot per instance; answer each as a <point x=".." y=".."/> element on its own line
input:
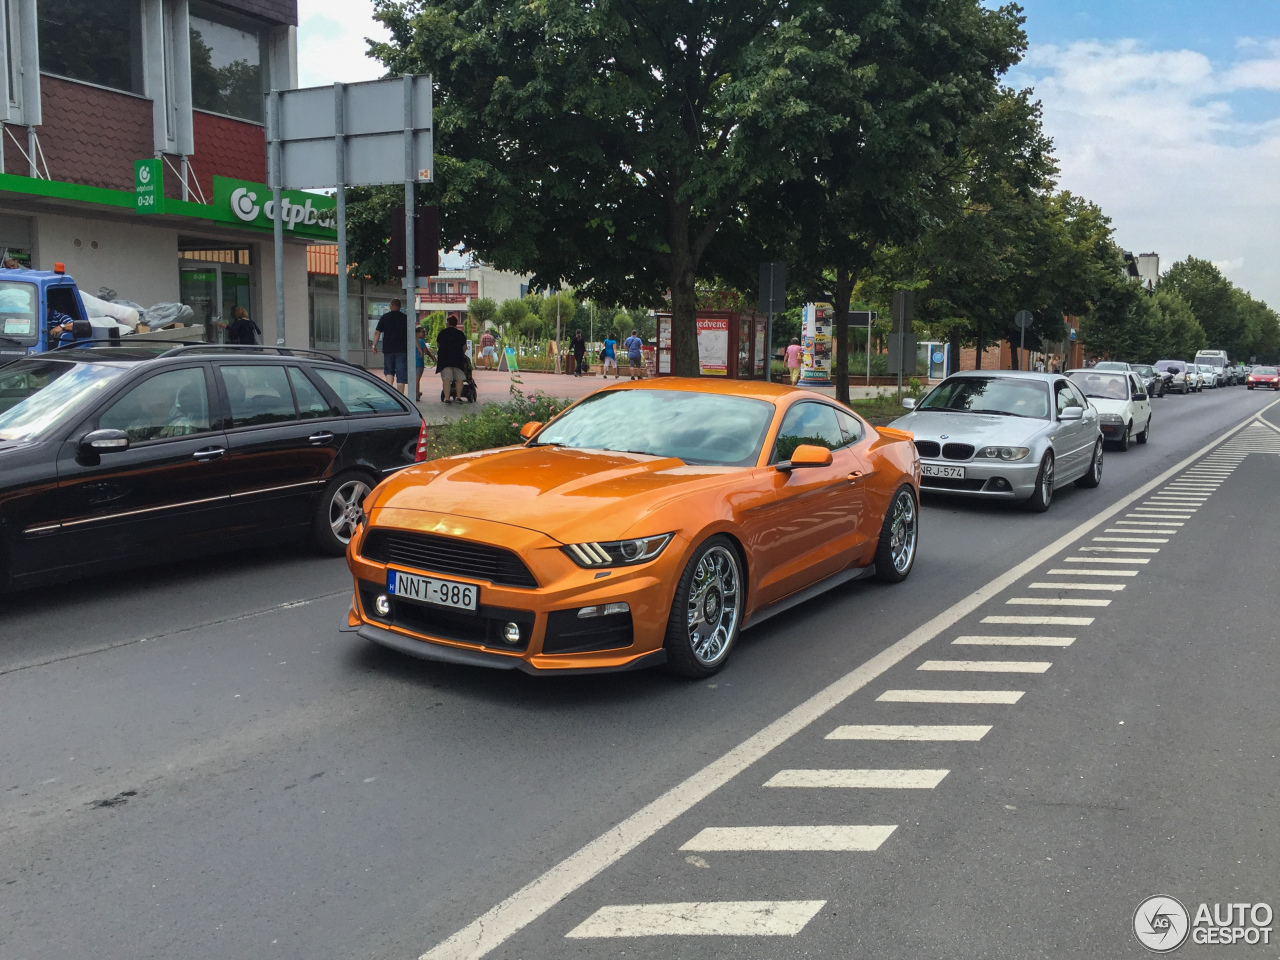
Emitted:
<point x="1007" y="435"/>
<point x="1152" y="379"/>
<point x="1180" y="377"/>
<point x="648" y="523"/>
<point x="1267" y="377"/>
<point x="1122" y="402"/>
<point x="1211" y="375"/>
<point x="1196" y="377"/>
<point x="116" y="456"/>
<point x="1218" y="362"/>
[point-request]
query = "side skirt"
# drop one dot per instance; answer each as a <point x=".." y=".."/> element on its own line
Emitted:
<point x="808" y="593"/>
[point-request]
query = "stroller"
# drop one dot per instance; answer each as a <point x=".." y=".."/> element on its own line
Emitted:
<point x="469" y="392"/>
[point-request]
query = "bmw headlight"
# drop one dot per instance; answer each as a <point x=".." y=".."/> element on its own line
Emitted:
<point x="1004" y="453"/>
<point x="617" y="553"/>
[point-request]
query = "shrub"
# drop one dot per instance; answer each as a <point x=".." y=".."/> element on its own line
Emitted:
<point x="493" y="425"/>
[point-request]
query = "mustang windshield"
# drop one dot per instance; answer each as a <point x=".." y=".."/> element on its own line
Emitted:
<point x="1000" y="395"/>
<point x="1103" y="386"/>
<point x="35" y="394"/>
<point x="699" y="428"/>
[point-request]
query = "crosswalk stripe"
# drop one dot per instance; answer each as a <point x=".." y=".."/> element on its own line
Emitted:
<point x="997" y="641"/>
<point x="1149" y="523"/>
<point x="741" y="918"/>
<point x="1160" y="529"/>
<point x="1058" y="572"/>
<point x="987" y="666"/>
<point x="1058" y="602"/>
<point x="840" y="839"/>
<point x="1131" y="539"/>
<point x="950" y="696"/>
<point x="1045" y="585"/>
<point x="1119" y="549"/>
<point x="1042" y="621"/>
<point x="911" y="732"/>
<point x="1106" y="560"/>
<point x="859" y="779"/>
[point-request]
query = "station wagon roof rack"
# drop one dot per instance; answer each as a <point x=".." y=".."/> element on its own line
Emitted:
<point x="180" y="347"/>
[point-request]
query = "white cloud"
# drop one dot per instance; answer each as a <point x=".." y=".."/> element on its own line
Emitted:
<point x="331" y="42"/>
<point x="1153" y="138"/>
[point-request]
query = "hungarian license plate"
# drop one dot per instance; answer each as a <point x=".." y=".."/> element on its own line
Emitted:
<point x="445" y="593"/>
<point x="937" y="470"/>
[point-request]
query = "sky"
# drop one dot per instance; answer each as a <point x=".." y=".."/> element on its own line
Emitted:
<point x="1166" y="113"/>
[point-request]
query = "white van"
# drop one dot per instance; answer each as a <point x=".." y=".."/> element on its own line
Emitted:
<point x="1222" y="367"/>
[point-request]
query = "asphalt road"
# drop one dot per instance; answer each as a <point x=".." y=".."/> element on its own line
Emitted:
<point x="197" y="764"/>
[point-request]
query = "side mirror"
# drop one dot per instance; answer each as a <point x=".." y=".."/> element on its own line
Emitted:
<point x="1071" y="413"/>
<point x="1139" y="396"/>
<point x="530" y="428"/>
<point x="806" y="455"/>
<point x="104" y="441"/>
<point x="908" y="403"/>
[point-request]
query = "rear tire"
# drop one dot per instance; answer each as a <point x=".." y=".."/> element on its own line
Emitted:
<point x="899" y="537"/>
<point x="706" y="612"/>
<point x="1094" y="476"/>
<point x="1039" y="501"/>
<point x="338" y="511"/>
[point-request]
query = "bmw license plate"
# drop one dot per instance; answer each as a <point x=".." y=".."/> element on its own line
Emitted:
<point x="937" y="470"/>
<point x="445" y="593"/>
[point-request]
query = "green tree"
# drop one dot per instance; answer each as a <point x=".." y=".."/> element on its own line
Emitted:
<point x="1212" y="298"/>
<point x="558" y="311"/>
<point x="483" y="311"/>
<point x="511" y="316"/>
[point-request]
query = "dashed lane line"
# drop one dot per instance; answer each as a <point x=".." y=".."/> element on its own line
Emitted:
<point x="506" y="918"/>
<point x="909" y="732"/>
<point x="1013" y="641"/>
<point x="742" y="918"/>
<point x="951" y="696"/>
<point x="987" y="666"/>
<point x="836" y="839"/>
<point x="858" y="779"/>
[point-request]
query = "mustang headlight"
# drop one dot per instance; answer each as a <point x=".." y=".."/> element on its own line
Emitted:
<point x="1004" y="453"/>
<point x="617" y="553"/>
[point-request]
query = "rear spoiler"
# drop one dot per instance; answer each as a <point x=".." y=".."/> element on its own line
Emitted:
<point x="891" y="434"/>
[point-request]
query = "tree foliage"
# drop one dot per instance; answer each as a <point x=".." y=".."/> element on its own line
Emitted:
<point x="1232" y="320"/>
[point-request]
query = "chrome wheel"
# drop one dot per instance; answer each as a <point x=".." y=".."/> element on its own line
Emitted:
<point x="903" y="532"/>
<point x="1046" y="480"/>
<point x="344" y="508"/>
<point x="714" y="605"/>
<point x="1097" y="465"/>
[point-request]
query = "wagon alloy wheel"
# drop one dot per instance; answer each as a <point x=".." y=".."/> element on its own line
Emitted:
<point x="344" y="509"/>
<point x="714" y="604"/>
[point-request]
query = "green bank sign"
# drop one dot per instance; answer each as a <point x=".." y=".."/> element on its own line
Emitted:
<point x="148" y="185"/>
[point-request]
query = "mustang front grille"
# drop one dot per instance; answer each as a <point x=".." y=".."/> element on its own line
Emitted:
<point x="447" y="555"/>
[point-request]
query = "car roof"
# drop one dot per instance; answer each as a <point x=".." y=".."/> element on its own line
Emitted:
<point x="752" y="389"/>
<point x="154" y="350"/>
<point x="1011" y="374"/>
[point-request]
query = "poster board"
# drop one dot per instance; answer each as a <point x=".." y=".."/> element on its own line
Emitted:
<point x="713" y="346"/>
<point x="816" y="345"/>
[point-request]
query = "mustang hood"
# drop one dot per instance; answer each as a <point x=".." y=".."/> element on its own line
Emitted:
<point x="570" y="495"/>
<point x="978" y="429"/>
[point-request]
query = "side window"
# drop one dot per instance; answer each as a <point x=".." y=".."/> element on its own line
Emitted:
<point x="813" y="423"/>
<point x="311" y="403"/>
<point x="357" y="394"/>
<point x="173" y="404"/>
<point x="1134" y="385"/>
<point x="258" y="394"/>
<point x="1080" y="398"/>
<point x="1065" y="396"/>
<point x="850" y="426"/>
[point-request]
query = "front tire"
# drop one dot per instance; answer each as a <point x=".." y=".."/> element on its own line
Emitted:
<point x="899" y="536"/>
<point x="1123" y="443"/>
<point x="338" y="512"/>
<point x="1039" y="501"/>
<point x="706" y="614"/>
<point x="1145" y="435"/>
<point x="1094" y="476"/>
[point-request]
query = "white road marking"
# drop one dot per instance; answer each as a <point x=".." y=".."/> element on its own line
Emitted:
<point x="1105" y="560"/>
<point x="1160" y="528"/>
<point x="840" y="839"/>
<point x="743" y="918"/>
<point x="926" y="732"/>
<point x="950" y="696"/>
<point x="987" y="666"/>
<point x="1116" y="587"/>
<point x="859" y="779"/>
<point x="990" y="641"/>
<point x="1132" y="539"/>
<point x="500" y="922"/>
<point x="1042" y="621"/>
<point x="1119" y="549"/>
<point x="1058" y="602"/>
<point x="1058" y="572"/>
<point x="1149" y="523"/>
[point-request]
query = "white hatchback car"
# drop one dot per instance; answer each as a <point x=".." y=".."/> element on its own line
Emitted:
<point x="1124" y="409"/>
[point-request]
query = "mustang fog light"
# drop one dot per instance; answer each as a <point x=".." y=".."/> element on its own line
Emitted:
<point x="604" y="611"/>
<point x="616" y="608"/>
<point x="511" y="633"/>
<point x="382" y="605"/>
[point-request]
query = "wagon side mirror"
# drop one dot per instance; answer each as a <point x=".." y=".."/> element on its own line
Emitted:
<point x="530" y="428"/>
<point x="104" y="441"/>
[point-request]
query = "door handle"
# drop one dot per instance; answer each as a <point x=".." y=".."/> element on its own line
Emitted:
<point x="209" y="453"/>
<point x="323" y="437"/>
<point x="856" y="476"/>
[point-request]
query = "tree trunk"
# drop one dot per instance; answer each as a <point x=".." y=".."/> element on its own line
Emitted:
<point x="978" y="361"/>
<point x="954" y="365"/>
<point x="840" y="304"/>
<point x="684" y="324"/>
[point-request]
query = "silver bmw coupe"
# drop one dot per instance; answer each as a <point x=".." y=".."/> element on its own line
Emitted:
<point x="1005" y="435"/>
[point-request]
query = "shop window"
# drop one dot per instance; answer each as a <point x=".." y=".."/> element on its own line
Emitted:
<point x="97" y="41"/>
<point x="226" y="64"/>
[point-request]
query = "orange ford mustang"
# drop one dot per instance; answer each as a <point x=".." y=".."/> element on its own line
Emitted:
<point x="649" y="523"/>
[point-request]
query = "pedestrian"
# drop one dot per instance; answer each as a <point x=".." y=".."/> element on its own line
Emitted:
<point x="451" y="359"/>
<point x="793" y="360"/>
<point x="421" y="354"/>
<point x="609" y="356"/>
<point x="11" y="264"/>
<point x="489" y="350"/>
<point x="635" y="354"/>
<point x="241" y="329"/>
<point x="392" y="332"/>
<point x="578" y="347"/>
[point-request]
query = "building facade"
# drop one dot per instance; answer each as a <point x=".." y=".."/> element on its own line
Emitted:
<point x="134" y="151"/>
